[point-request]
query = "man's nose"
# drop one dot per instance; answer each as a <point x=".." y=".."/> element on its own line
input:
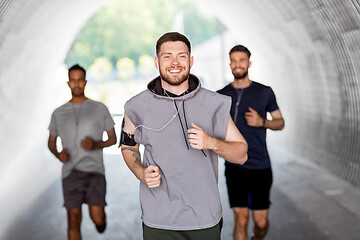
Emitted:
<point x="237" y="64"/>
<point x="175" y="61"/>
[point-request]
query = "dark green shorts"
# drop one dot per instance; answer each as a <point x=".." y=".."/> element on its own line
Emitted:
<point x="213" y="233"/>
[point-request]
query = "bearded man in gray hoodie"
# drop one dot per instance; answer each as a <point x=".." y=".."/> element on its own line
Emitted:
<point x="184" y="128"/>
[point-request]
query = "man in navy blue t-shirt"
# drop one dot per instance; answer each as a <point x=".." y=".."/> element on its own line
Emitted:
<point x="249" y="184"/>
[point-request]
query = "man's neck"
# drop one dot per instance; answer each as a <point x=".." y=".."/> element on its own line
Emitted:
<point x="177" y="90"/>
<point x="77" y="100"/>
<point x="241" y="83"/>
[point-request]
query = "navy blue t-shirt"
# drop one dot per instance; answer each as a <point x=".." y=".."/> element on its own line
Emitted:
<point x="262" y="99"/>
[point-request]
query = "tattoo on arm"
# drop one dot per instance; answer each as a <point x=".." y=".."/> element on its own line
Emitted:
<point x="136" y="153"/>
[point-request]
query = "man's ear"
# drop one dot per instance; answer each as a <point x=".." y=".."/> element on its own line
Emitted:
<point x="156" y="61"/>
<point x="191" y="61"/>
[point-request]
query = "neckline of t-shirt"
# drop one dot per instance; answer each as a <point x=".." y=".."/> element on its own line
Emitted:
<point x="251" y="84"/>
<point x="78" y="104"/>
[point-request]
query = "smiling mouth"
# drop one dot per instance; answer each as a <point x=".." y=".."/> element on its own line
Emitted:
<point x="175" y="71"/>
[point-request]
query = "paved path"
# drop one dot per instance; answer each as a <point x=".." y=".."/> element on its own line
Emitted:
<point x="291" y="217"/>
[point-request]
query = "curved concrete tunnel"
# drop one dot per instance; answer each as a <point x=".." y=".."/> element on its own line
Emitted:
<point x="308" y="51"/>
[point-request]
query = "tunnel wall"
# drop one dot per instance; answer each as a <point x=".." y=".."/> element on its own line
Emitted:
<point x="307" y="50"/>
<point x="34" y="39"/>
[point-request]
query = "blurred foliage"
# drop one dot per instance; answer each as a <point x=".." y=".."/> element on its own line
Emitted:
<point x="100" y="70"/>
<point x="130" y="29"/>
<point x="146" y="65"/>
<point x="125" y="67"/>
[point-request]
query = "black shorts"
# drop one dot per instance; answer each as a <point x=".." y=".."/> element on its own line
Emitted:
<point x="84" y="187"/>
<point x="249" y="188"/>
<point x="212" y="233"/>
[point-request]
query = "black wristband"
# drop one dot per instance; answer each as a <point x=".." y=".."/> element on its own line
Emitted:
<point x="263" y="122"/>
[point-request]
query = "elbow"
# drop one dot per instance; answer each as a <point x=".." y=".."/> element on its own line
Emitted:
<point x="51" y="146"/>
<point x="282" y="125"/>
<point x="243" y="156"/>
<point x="114" y="141"/>
<point x="243" y="159"/>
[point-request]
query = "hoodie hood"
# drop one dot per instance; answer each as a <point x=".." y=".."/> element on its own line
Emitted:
<point x="194" y="86"/>
<point x="155" y="87"/>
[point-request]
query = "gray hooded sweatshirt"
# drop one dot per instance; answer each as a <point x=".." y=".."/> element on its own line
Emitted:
<point x="188" y="196"/>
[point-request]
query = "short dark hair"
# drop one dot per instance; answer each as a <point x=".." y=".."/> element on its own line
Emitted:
<point x="172" y="37"/>
<point x="77" y="67"/>
<point x="240" y="48"/>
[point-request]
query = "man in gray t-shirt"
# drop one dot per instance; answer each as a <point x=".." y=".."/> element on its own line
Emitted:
<point x="80" y="124"/>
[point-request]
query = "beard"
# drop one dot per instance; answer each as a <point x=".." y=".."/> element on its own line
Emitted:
<point x="77" y="92"/>
<point x="175" y="81"/>
<point x="239" y="76"/>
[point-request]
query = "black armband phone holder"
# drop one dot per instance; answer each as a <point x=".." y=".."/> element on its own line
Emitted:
<point x="126" y="138"/>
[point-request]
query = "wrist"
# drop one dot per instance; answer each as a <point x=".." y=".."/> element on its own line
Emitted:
<point x="264" y="121"/>
<point x="141" y="176"/>
<point x="98" y="145"/>
<point x="212" y="144"/>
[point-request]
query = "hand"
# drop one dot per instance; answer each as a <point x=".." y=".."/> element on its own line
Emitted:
<point x="152" y="176"/>
<point x="88" y="144"/>
<point x="253" y="118"/>
<point x="64" y="155"/>
<point x="199" y="139"/>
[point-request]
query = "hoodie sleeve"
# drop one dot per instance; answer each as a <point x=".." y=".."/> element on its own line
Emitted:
<point x="135" y="109"/>
<point x="130" y="111"/>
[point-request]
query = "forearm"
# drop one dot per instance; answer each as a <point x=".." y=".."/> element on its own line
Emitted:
<point x="274" y="124"/>
<point x="235" y="152"/>
<point x="103" y="144"/>
<point x="132" y="159"/>
<point x="52" y="148"/>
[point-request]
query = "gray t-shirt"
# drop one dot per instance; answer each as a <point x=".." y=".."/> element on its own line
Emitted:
<point x="72" y="123"/>
<point x="188" y="196"/>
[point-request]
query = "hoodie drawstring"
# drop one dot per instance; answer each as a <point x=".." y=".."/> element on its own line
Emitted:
<point x="182" y="127"/>
<point x="186" y="125"/>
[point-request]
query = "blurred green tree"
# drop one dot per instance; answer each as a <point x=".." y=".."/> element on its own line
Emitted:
<point x="146" y="64"/>
<point x="130" y="29"/>
<point x="125" y="67"/>
<point x="100" y="70"/>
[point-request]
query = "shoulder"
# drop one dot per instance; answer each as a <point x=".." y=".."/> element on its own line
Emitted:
<point x="139" y="98"/>
<point x="139" y="102"/>
<point x="225" y="89"/>
<point x="136" y="107"/>
<point x="95" y="104"/>
<point x="212" y="98"/>
<point x="260" y="86"/>
<point x="61" y="108"/>
<point x="212" y="94"/>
